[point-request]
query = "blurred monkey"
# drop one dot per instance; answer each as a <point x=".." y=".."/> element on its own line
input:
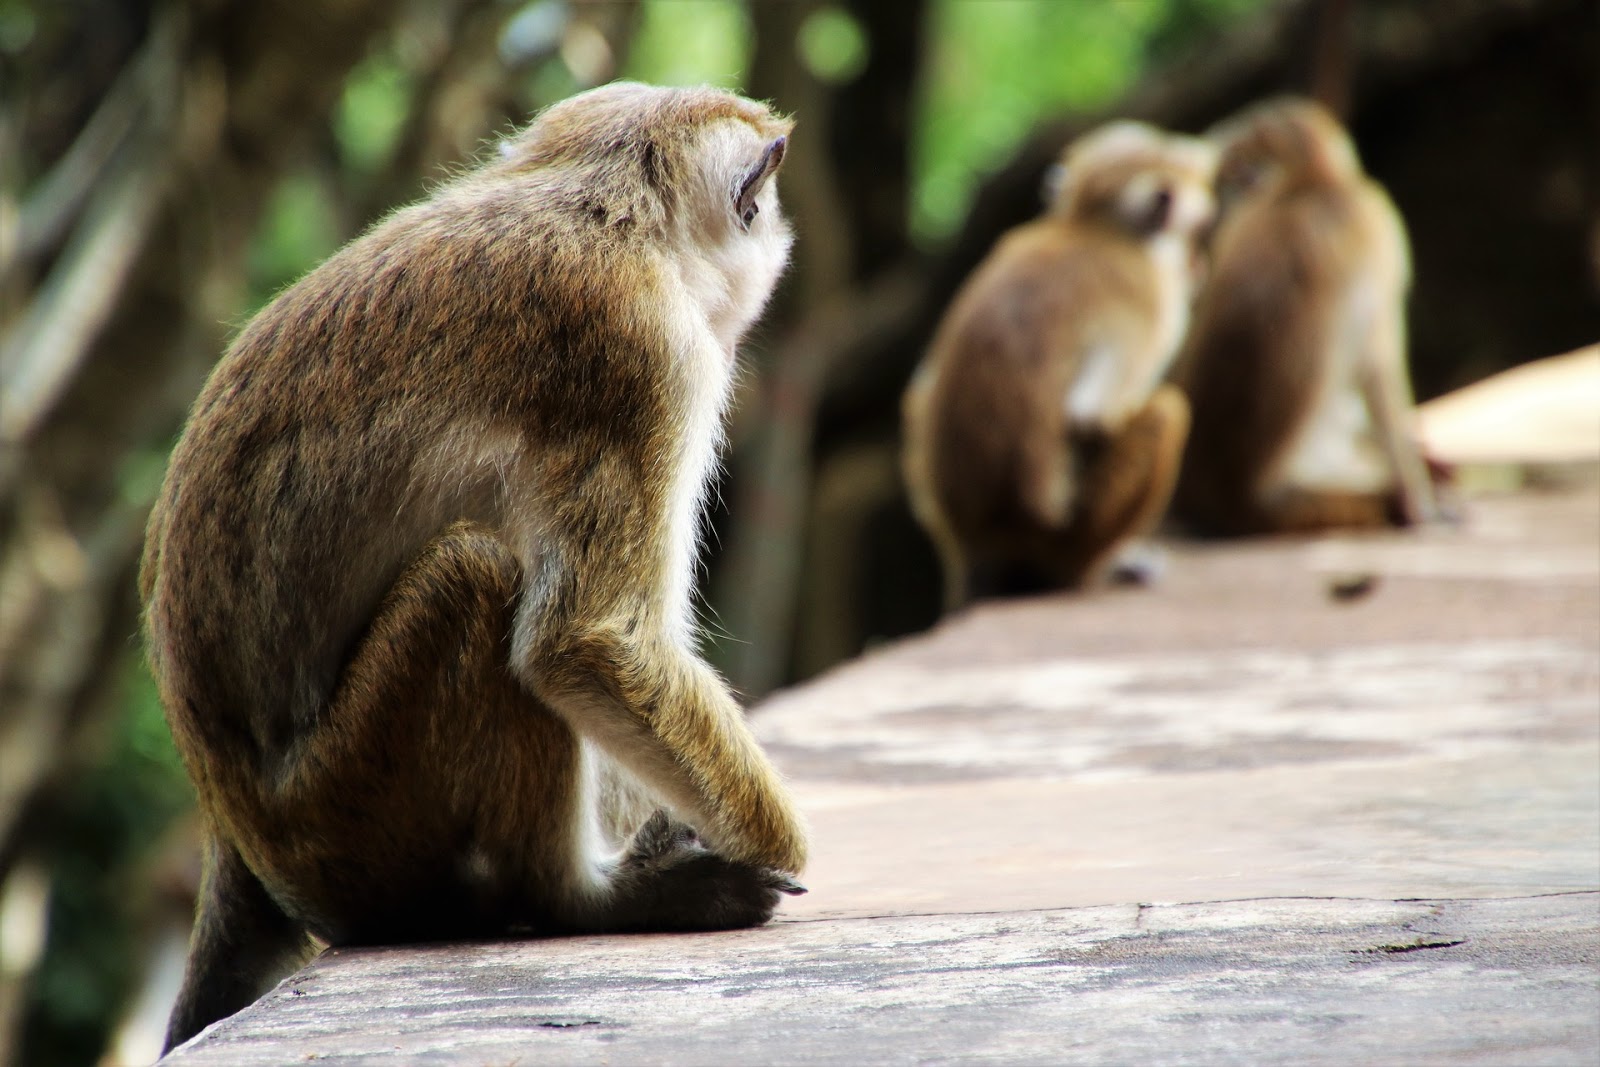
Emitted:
<point x="417" y="585"/>
<point x="1038" y="438"/>
<point x="1295" y="364"/>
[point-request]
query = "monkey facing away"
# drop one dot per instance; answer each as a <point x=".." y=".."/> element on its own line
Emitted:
<point x="417" y="585"/>
<point x="1295" y="364"/>
<point x="1038" y="438"/>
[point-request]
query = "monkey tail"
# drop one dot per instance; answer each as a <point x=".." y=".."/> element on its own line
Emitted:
<point x="242" y="943"/>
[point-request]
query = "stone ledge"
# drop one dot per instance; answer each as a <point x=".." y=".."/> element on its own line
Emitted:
<point x="1391" y="800"/>
<point x="1304" y="981"/>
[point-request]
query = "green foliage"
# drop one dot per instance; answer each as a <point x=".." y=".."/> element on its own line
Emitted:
<point x="301" y="226"/>
<point x="299" y="230"/>
<point x="17" y="25"/>
<point x="103" y="826"/>
<point x="372" y="112"/>
<point x="995" y="68"/>
<point x="691" y="42"/>
<point x="832" y="45"/>
<point x="546" y="83"/>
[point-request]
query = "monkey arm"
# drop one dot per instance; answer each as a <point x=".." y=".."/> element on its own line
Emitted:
<point x="1385" y="386"/>
<point x="918" y="472"/>
<point x="1381" y="371"/>
<point x="594" y="638"/>
<point x="666" y="715"/>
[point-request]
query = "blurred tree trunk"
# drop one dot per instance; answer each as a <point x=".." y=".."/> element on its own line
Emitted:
<point x="1331" y="76"/>
<point x="850" y="198"/>
<point x="872" y="132"/>
<point x="130" y="252"/>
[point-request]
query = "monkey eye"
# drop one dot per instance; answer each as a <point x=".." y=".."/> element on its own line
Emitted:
<point x="750" y="213"/>
<point x="1157" y="212"/>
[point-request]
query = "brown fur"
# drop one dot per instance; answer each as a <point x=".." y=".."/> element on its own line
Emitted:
<point x="420" y="557"/>
<point x="1035" y="447"/>
<point x="1303" y="310"/>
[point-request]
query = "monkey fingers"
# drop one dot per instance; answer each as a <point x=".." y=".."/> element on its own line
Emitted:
<point x="670" y="881"/>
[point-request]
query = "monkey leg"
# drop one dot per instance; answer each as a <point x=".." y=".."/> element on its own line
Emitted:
<point x="1293" y="509"/>
<point x="437" y="797"/>
<point x="1124" y="487"/>
<point x="242" y="942"/>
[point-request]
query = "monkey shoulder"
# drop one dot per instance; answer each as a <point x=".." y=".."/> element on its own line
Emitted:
<point x="1049" y="270"/>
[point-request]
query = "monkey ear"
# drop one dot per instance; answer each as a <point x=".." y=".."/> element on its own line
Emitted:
<point x="753" y="180"/>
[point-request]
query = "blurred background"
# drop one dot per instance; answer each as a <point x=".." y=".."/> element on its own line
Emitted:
<point x="167" y="165"/>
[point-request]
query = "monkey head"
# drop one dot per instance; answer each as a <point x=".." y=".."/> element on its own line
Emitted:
<point x="693" y="166"/>
<point x="1137" y="179"/>
<point x="1279" y="143"/>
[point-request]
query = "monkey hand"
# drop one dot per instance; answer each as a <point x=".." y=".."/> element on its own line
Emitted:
<point x="676" y="883"/>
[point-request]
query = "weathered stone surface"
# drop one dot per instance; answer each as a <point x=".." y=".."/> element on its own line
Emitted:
<point x="1234" y="732"/>
<point x="1304" y="981"/>
<point x="1306" y="801"/>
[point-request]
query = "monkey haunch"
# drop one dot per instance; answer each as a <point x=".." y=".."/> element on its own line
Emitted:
<point x="1038" y="438"/>
<point x="417" y="586"/>
<point x="1295" y="363"/>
